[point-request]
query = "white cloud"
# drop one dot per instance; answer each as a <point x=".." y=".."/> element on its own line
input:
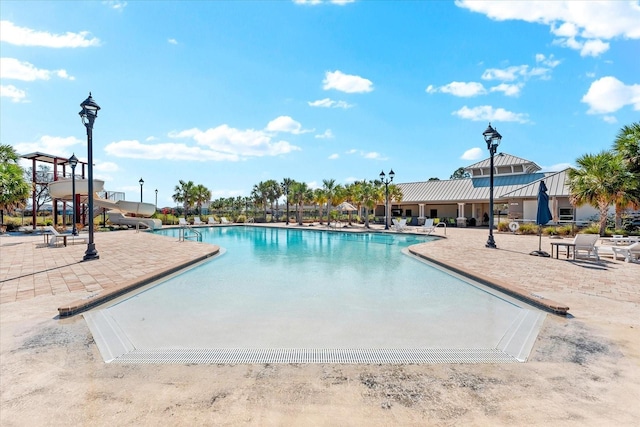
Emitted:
<point x="608" y="94"/>
<point x="472" y="154"/>
<point x="488" y="113"/>
<point x="366" y="154"/>
<point x="334" y="156"/>
<point x="461" y="89"/>
<point x="286" y="124"/>
<point x="346" y="82"/>
<point x="591" y="21"/>
<point x="50" y="144"/>
<point x="352" y="151"/>
<point x="329" y="103"/>
<point x="22" y="36"/>
<point x="326" y="135"/>
<point x="508" y="74"/>
<point x="106" y="167"/>
<point x="372" y="155"/>
<point x="317" y="2"/>
<point x="610" y="119"/>
<point x="118" y="5"/>
<point x="10" y="91"/>
<point x="556" y="168"/>
<point x="133" y="149"/>
<point x="236" y="142"/>
<point x="11" y="68"/>
<point x="172" y="41"/>
<point x="507" y="89"/>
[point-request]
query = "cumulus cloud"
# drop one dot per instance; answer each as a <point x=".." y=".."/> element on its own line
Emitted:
<point x="578" y="25"/>
<point x="50" y="144"/>
<point x="334" y="156"/>
<point x="472" y="154"/>
<point x="329" y="103"/>
<point x="134" y="149"/>
<point x="172" y="41"/>
<point x="608" y="94"/>
<point x="22" y="36"/>
<point x="610" y="119"/>
<point x="326" y="135"/>
<point x="461" y="89"/>
<point x="106" y="167"/>
<point x="286" y="124"/>
<point x="507" y="89"/>
<point x="346" y="82"/>
<point x="118" y="5"/>
<point x="11" y="68"/>
<point x="372" y="155"/>
<point x="10" y="91"/>
<point x="488" y="113"/>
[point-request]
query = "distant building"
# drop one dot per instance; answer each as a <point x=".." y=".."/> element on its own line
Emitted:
<point x="466" y="201"/>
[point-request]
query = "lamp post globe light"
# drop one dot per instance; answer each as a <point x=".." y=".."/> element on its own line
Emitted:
<point x="386" y="183"/>
<point x="492" y="138"/>
<point x="141" y="182"/>
<point x="88" y="115"/>
<point x="73" y="161"/>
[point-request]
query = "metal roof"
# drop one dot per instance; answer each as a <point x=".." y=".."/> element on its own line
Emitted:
<point x="48" y="158"/>
<point x="504" y="159"/>
<point x="477" y="189"/>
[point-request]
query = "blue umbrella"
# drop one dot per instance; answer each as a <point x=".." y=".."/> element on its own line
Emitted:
<point x="543" y="216"/>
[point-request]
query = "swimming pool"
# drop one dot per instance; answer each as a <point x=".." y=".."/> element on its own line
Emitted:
<point x="280" y="294"/>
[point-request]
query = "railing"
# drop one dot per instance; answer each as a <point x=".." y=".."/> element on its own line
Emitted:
<point x="138" y="224"/>
<point x="183" y="235"/>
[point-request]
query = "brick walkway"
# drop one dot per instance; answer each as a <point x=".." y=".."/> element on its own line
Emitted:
<point x="29" y="268"/>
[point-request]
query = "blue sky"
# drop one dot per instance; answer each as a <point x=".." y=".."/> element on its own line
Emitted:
<point x="231" y="93"/>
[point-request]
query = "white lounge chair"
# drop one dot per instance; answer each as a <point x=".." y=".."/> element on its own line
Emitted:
<point x="224" y="220"/>
<point x="197" y="221"/>
<point x="630" y="253"/>
<point x="399" y="225"/>
<point x="586" y="243"/>
<point x="212" y="221"/>
<point x="183" y="222"/>
<point x="64" y="238"/>
<point x="428" y="226"/>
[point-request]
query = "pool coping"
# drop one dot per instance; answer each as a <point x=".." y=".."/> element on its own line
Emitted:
<point x="506" y="288"/>
<point x="81" y="305"/>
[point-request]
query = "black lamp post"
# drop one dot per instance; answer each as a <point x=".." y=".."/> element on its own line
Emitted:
<point x="286" y="192"/>
<point x="156" y="199"/>
<point x="73" y="161"/>
<point x="88" y="114"/>
<point x="492" y="138"/>
<point x="141" y="182"/>
<point x="386" y="183"/>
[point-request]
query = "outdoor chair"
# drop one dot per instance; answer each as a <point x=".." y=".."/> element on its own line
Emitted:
<point x="224" y="220"/>
<point x="399" y="225"/>
<point x="630" y="253"/>
<point x="586" y="243"/>
<point x="197" y="221"/>
<point x="428" y="226"/>
<point x="64" y="238"/>
<point x="183" y="222"/>
<point x="212" y="221"/>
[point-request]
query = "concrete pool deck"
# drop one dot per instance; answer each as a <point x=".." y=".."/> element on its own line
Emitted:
<point x="584" y="369"/>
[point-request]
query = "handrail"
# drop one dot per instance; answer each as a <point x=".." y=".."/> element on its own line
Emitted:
<point x="182" y="235"/>
<point x="138" y="224"/>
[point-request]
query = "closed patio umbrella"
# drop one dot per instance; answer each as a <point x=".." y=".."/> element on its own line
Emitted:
<point x="542" y="217"/>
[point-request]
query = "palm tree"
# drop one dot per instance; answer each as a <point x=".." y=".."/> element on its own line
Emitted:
<point x="320" y="198"/>
<point x="201" y="195"/>
<point x="260" y="195"/>
<point x="598" y="181"/>
<point x="273" y="193"/>
<point x="301" y="193"/>
<point x="285" y="185"/>
<point x="329" y="186"/>
<point x="184" y="193"/>
<point x="627" y="145"/>
<point x="14" y="189"/>
<point x="369" y="195"/>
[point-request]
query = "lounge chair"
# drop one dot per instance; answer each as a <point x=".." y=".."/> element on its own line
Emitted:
<point x="212" y="221"/>
<point x="428" y="226"/>
<point x="182" y="222"/>
<point x="64" y="238"/>
<point x="197" y="221"/>
<point x="586" y="243"/>
<point x="399" y="225"/>
<point x="630" y="253"/>
<point x="224" y="220"/>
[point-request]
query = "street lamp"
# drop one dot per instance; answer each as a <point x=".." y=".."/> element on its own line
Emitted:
<point x="386" y="183"/>
<point x="141" y="182"/>
<point x="88" y="115"/>
<point x="492" y="138"/>
<point x="156" y="199"/>
<point x="73" y="161"/>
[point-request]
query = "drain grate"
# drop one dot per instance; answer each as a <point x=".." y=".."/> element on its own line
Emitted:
<point x="322" y="355"/>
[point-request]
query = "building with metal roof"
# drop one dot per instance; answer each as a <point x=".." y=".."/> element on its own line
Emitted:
<point x="466" y="201"/>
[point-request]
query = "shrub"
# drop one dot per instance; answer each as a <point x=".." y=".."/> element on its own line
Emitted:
<point x="592" y="229"/>
<point x="502" y="226"/>
<point x="528" y="228"/>
<point x="241" y="219"/>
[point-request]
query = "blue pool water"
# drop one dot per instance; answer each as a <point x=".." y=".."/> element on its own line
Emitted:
<point x="292" y="288"/>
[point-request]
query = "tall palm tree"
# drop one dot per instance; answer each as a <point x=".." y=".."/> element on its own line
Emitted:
<point x="320" y="198"/>
<point x="201" y="195"/>
<point x="627" y="145"/>
<point x="14" y="189"/>
<point x="301" y="193"/>
<point x="370" y="194"/>
<point x="285" y="185"/>
<point x="260" y="195"/>
<point x="597" y="181"/>
<point x="329" y="186"/>
<point x="273" y="193"/>
<point x="184" y="193"/>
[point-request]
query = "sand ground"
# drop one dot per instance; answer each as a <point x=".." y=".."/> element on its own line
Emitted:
<point x="584" y="369"/>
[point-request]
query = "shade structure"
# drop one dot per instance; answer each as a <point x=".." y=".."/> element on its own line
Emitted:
<point x="346" y="206"/>
<point x="542" y="217"/>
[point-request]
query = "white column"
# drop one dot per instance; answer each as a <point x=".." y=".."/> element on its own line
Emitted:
<point x="421" y="210"/>
<point x="462" y="220"/>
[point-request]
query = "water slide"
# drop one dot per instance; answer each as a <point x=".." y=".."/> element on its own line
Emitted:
<point x="117" y="211"/>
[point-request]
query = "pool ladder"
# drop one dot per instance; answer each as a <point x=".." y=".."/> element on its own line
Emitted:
<point x="184" y="234"/>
